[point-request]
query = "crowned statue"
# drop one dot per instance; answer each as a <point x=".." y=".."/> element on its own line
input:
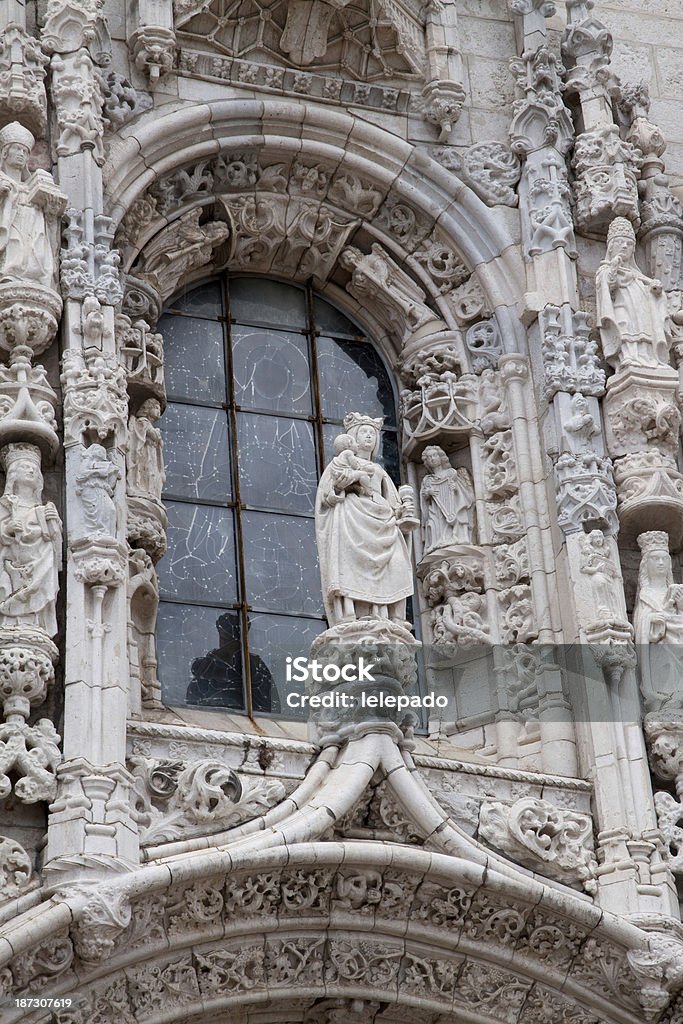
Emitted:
<point x="30" y="207"/>
<point x="30" y="543"/>
<point x="361" y="526"/>
<point x="631" y="307"/>
<point x="658" y="624"/>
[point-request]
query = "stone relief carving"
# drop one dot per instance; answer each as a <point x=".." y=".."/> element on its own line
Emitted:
<point x="649" y="484"/>
<point x="30" y="543"/>
<point x="658" y="623"/>
<point x="143" y="603"/>
<point x="183" y="246"/>
<point x="78" y="104"/>
<point x="597" y="562"/>
<point x="27" y="402"/>
<point x="22" y="79"/>
<point x="490" y="168"/>
<point x="95" y="483"/>
<point x="95" y="397"/>
<point x="121" y="102"/>
<point x="446" y="502"/>
<point x="500" y="474"/>
<point x="142" y="351"/>
<point x="570" y="356"/>
<point x="361" y="523"/>
<point x="175" y="799"/>
<point x="518" y="623"/>
<point x="145" y="460"/>
<point x="485" y="344"/>
<point x="16" y="870"/>
<point x="90" y="268"/>
<point x="376" y="277"/>
<point x="586" y="494"/>
<point x="632" y="311"/>
<point x="606" y="184"/>
<point x="541" y="837"/>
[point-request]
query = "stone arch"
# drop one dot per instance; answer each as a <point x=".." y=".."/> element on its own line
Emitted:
<point x="399" y="180"/>
<point x="226" y="932"/>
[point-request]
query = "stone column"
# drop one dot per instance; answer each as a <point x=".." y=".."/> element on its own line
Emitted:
<point x="91" y="829"/>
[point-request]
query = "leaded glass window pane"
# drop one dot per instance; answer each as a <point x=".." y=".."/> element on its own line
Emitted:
<point x="277" y="462"/>
<point x="271" y="370"/>
<point x="272" y="638"/>
<point x="281" y="564"/>
<point x="204" y="300"/>
<point x="255" y="300"/>
<point x="353" y="371"/>
<point x="200" y="562"/>
<point x="196" y="452"/>
<point x="201" y="655"/>
<point x="194" y="359"/>
<point x="329" y="320"/>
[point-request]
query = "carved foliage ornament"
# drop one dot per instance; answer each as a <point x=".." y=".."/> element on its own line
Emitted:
<point x="538" y="835"/>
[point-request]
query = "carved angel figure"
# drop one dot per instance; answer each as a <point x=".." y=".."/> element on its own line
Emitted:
<point x="446" y="501"/>
<point x="95" y="483"/>
<point x="145" y="461"/>
<point x="30" y="543"/>
<point x="27" y="199"/>
<point x="658" y="624"/>
<point x="365" y="564"/>
<point x="631" y="307"/>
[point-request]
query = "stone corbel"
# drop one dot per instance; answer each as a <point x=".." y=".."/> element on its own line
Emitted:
<point x="152" y="42"/>
<point x="570" y="355"/>
<point x="444" y="94"/>
<point x="606" y="178"/>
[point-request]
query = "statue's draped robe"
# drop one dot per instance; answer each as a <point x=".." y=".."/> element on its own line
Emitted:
<point x="25" y="250"/>
<point x="631" y="315"/>
<point x="446" y="503"/>
<point x="31" y="553"/>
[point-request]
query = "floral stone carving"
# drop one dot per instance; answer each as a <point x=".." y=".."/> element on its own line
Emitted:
<point x="16" y="870"/>
<point x="540" y="836"/>
<point x="175" y="800"/>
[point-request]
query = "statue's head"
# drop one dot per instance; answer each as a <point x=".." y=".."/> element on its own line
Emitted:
<point x="22" y="465"/>
<point x="621" y="238"/>
<point x="344" y="443"/>
<point x="150" y="408"/>
<point x="365" y="431"/>
<point x="655" y="564"/>
<point x="16" y="143"/>
<point x="435" y="458"/>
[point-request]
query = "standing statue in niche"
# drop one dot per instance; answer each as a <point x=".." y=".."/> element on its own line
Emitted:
<point x="30" y="205"/>
<point x="30" y="543"/>
<point x="145" y="461"/>
<point x="631" y="307"/>
<point x="361" y="524"/>
<point x="658" y="624"/>
<point x="446" y="502"/>
<point x="95" y="485"/>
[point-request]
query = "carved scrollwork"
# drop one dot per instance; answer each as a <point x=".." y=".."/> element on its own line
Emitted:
<point x="176" y="800"/>
<point x="553" y="842"/>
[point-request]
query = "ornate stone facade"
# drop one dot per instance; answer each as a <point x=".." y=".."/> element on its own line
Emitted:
<point x="489" y="826"/>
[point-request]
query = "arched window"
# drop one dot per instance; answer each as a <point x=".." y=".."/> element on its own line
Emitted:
<point x="259" y="376"/>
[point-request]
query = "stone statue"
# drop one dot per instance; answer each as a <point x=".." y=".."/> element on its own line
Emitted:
<point x="29" y="202"/>
<point x="95" y="484"/>
<point x="30" y="543"/>
<point x="597" y="563"/>
<point x="446" y="502"/>
<point x="365" y="563"/>
<point x="145" y="460"/>
<point x="631" y="308"/>
<point x="658" y="624"/>
<point x="581" y="428"/>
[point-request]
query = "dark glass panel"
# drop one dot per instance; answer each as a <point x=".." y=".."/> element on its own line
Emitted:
<point x="272" y="638"/>
<point x="277" y="462"/>
<point x="281" y="565"/>
<point x="200" y="562"/>
<point x="194" y="359"/>
<point x="200" y="656"/>
<point x="271" y="370"/>
<point x="196" y="452"/>
<point x="206" y="300"/>
<point x="329" y="320"/>
<point x="267" y="302"/>
<point x="353" y="379"/>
